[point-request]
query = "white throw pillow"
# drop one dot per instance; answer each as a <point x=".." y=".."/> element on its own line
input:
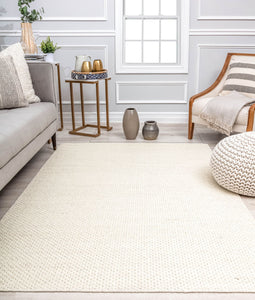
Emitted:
<point x="21" y="66"/>
<point x="11" y="93"/>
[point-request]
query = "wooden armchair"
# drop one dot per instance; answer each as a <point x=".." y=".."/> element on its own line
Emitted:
<point x="245" y="120"/>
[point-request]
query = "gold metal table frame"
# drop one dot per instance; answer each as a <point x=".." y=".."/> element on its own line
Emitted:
<point x="76" y="131"/>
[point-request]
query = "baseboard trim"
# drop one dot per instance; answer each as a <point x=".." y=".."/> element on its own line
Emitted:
<point x="160" y="117"/>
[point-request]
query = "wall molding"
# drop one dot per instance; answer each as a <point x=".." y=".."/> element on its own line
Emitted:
<point x="72" y="19"/>
<point x="216" y="46"/>
<point x="151" y="83"/>
<point x="201" y="17"/>
<point x="222" y="32"/>
<point x="64" y="33"/>
<point x="105" y="47"/>
<point x="161" y="117"/>
<point x="225" y="18"/>
<point x="112" y="33"/>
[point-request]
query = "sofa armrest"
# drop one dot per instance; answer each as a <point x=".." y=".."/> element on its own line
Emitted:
<point x="43" y="76"/>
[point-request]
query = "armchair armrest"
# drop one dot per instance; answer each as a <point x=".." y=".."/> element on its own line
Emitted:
<point x="43" y="76"/>
<point x="215" y="88"/>
<point x="212" y="91"/>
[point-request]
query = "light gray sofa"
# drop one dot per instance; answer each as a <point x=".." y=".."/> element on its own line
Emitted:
<point x="23" y="131"/>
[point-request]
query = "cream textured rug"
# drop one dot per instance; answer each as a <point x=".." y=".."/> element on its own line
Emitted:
<point x="127" y="218"/>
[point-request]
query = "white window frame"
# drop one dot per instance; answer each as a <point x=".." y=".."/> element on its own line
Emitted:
<point x="183" y="45"/>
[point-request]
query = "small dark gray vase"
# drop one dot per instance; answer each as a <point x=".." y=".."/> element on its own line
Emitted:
<point x="130" y="123"/>
<point x="150" y="130"/>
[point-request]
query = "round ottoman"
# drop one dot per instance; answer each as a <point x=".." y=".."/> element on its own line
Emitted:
<point x="233" y="163"/>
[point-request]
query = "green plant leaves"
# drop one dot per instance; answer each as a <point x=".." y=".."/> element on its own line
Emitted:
<point x="29" y="16"/>
<point x="47" y="46"/>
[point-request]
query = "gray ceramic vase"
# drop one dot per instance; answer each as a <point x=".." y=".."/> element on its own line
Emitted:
<point x="130" y="123"/>
<point x="150" y="130"/>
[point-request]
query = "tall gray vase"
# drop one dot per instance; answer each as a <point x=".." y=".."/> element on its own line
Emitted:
<point x="130" y="123"/>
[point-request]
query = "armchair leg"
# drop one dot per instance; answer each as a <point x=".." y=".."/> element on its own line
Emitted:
<point x="54" y="141"/>
<point x="250" y="123"/>
<point x="191" y="130"/>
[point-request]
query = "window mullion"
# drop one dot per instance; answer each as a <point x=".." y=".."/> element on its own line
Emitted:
<point x="159" y="31"/>
<point x="142" y="29"/>
<point x="178" y="40"/>
<point x="124" y="40"/>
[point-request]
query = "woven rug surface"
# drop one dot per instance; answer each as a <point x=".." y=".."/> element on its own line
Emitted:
<point x="127" y="218"/>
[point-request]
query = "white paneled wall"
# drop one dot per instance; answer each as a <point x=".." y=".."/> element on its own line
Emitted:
<point x="88" y="27"/>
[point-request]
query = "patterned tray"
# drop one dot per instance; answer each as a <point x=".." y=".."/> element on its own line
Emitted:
<point x="89" y="76"/>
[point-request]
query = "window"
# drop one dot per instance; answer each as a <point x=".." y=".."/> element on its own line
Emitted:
<point x="152" y="36"/>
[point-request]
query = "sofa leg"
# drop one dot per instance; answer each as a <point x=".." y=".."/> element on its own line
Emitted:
<point x="54" y="141"/>
<point x="191" y="131"/>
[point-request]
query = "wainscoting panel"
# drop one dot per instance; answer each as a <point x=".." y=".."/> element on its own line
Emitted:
<point x="77" y="10"/>
<point x="217" y="54"/>
<point x="151" y="92"/>
<point x="226" y="10"/>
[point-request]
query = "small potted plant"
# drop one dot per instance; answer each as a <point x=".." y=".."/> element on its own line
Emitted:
<point x="28" y="16"/>
<point x="49" y="48"/>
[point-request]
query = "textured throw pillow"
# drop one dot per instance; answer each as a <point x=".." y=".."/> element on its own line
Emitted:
<point x="11" y="93"/>
<point x="241" y="76"/>
<point x="21" y="66"/>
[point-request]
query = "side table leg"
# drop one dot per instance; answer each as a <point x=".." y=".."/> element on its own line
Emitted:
<point x="98" y="109"/>
<point x="82" y="105"/>
<point x="72" y="105"/>
<point x="60" y="99"/>
<point x="107" y="106"/>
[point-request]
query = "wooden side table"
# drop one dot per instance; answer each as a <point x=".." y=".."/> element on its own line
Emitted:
<point x="76" y="131"/>
<point x="60" y="98"/>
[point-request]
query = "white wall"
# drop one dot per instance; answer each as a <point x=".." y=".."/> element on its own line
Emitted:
<point x="87" y="27"/>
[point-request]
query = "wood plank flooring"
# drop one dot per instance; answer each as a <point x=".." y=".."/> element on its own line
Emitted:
<point x="169" y="133"/>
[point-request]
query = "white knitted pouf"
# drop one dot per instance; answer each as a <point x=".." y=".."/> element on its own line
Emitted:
<point x="233" y="163"/>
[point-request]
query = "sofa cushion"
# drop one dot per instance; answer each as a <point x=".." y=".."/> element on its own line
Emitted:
<point x="21" y="66"/>
<point x="11" y="93"/>
<point x="19" y="126"/>
<point x="199" y="105"/>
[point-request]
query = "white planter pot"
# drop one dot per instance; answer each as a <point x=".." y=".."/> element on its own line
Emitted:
<point x="49" y="57"/>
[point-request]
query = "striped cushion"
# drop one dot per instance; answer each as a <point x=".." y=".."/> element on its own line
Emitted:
<point x="241" y="77"/>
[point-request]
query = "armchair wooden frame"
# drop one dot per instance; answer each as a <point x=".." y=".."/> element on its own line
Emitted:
<point x="251" y="114"/>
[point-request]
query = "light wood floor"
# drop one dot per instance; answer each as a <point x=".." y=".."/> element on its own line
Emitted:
<point x="168" y="134"/>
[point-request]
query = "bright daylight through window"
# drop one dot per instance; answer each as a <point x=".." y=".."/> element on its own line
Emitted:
<point x="150" y="35"/>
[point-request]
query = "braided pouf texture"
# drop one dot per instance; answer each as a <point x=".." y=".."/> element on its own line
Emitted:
<point x="233" y="163"/>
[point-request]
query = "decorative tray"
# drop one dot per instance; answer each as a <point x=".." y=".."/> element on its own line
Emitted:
<point x="89" y="75"/>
